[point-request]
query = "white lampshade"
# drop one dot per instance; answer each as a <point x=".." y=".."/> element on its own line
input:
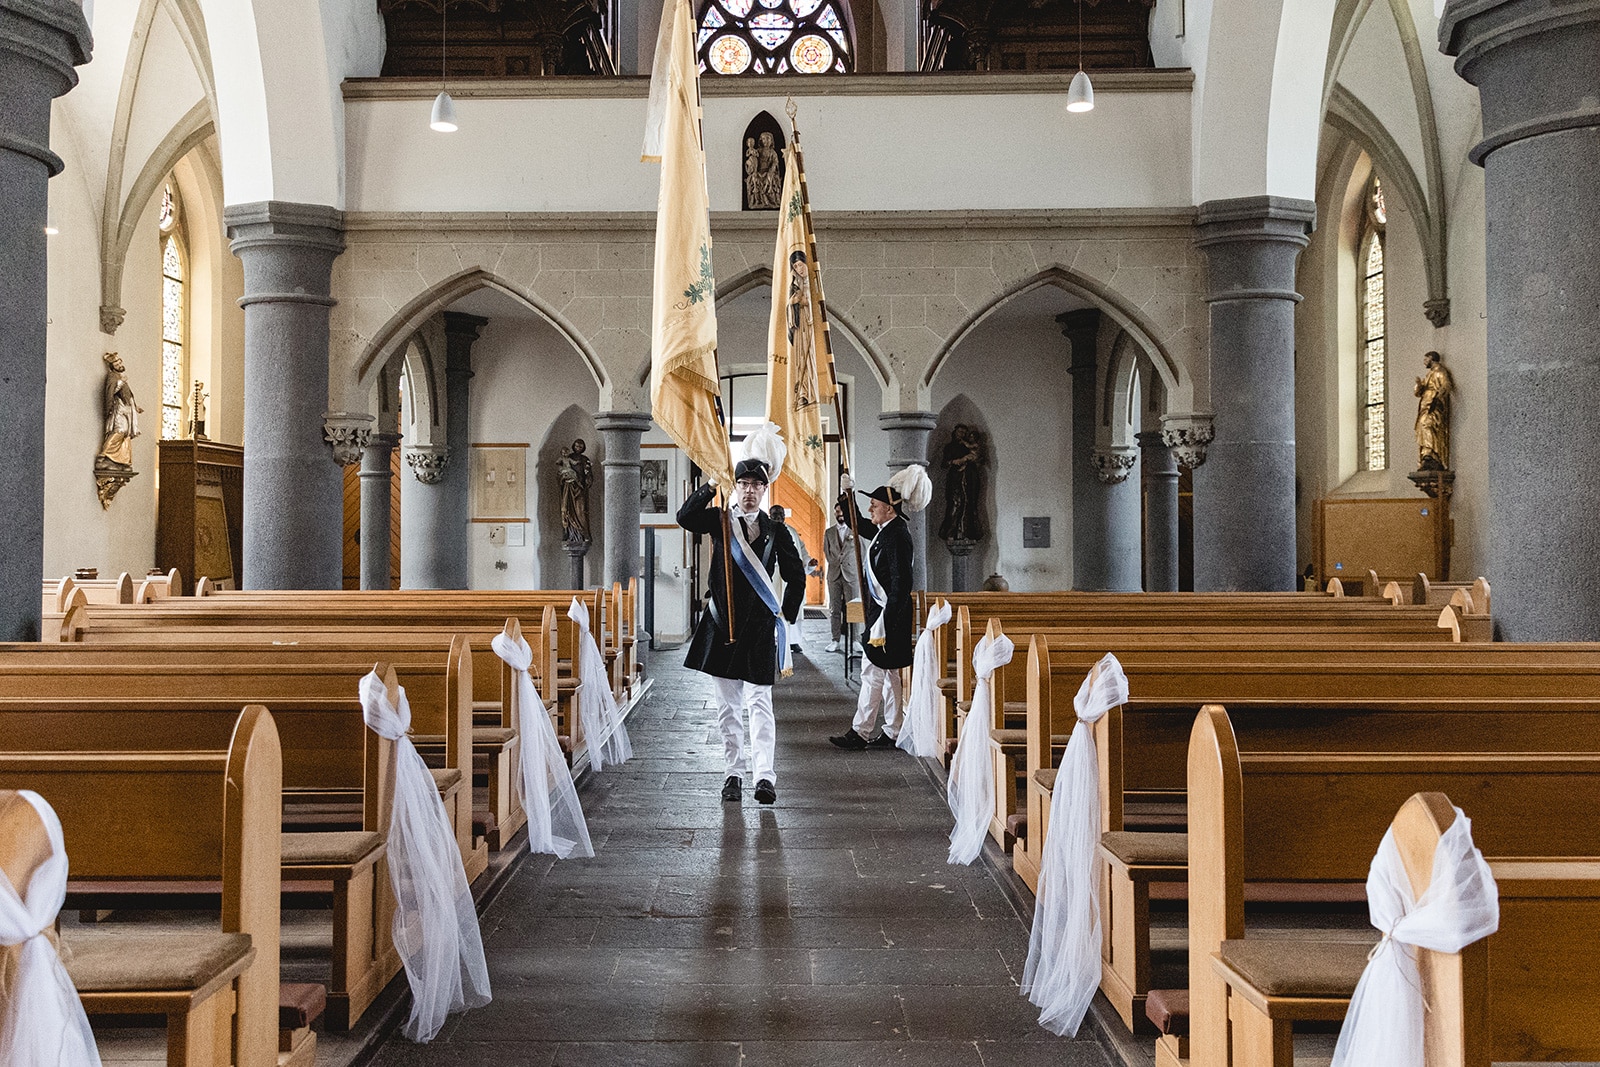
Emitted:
<point x="1080" y="94"/>
<point x="444" y="114"/>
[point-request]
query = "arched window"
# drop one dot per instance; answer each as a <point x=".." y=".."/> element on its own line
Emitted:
<point x="174" y="315"/>
<point x="776" y="37"/>
<point x="1372" y="371"/>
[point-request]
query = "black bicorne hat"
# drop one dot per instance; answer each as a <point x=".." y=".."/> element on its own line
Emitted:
<point x="885" y="494"/>
<point x="751" y="468"/>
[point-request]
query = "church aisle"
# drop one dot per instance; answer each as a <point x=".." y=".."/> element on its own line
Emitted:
<point x="827" y="930"/>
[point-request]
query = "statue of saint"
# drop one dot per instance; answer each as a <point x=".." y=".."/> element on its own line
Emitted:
<point x="1433" y="415"/>
<point x="802" y="332"/>
<point x="766" y="189"/>
<point x="576" y="473"/>
<point x="752" y="173"/>
<point x="963" y="486"/>
<point x="122" y="417"/>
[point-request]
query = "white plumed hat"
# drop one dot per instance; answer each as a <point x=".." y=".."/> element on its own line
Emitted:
<point x="913" y="487"/>
<point x="763" y="446"/>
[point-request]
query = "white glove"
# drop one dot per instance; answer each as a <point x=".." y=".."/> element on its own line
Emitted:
<point x="846" y="483"/>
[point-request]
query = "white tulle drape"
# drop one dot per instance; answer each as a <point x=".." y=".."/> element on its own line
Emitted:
<point x="43" y="1024"/>
<point x="435" y="921"/>
<point x="920" y="734"/>
<point x="555" y="818"/>
<point x="971" y="789"/>
<point x="603" y="728"/>
<point x="1063" y="968"/>
<point x="1461" y="905"/>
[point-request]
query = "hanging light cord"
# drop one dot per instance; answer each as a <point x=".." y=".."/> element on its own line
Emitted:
<point x="444" y="39"/>
<point x="1080" y="34"/>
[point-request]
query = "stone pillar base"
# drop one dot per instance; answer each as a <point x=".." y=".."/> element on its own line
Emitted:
<point x="961" y="565"/>
<point x="576" y="550"/>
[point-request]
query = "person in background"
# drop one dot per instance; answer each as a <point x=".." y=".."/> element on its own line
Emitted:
<point x="839" y="554"/>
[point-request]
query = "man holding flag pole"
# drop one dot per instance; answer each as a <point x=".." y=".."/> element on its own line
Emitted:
<point x="741" y="640"/>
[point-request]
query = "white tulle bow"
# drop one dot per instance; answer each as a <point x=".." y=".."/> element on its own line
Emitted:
<point x="603" y="728"/>
<point x="555" y="818"/>
<point x="920" y="734"/>
<point x="435" y="921"/>
<point x="971" y="789"/>
<point x="42" y="1023"/>
<point x="1384" y="1024"/>
<point x="1063" y="968"/>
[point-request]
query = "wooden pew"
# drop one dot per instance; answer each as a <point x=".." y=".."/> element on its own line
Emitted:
<point x="158" y="586"/>
<point x="1290" y="816"/>
<point x="118" y="590"/>
<point x="55" y="593"/>
<point x="1283" y="695"/>
<point x="178" y="815"/>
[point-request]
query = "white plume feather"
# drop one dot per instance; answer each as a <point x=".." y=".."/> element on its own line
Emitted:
<point x="913" y="486"/>
<point x="766" y="444"/>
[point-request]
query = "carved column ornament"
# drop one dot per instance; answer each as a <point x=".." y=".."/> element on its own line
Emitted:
<point x="111" y="318"/>
<point x="428" y="462"/>
<point x="1112" y="465"/>
<point x="1187" y="436"/>
<point x="348" y="432"/>
<point x="1437" y="311"/>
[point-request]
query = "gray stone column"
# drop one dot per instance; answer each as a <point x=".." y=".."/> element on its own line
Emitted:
<point x="908" y="443"/>
<point x="376" y="508"/>
<point x="1535" y="68"/>
<point x="40" y="42"/>
<point x="1160" y="514"/>
<point x="1104" y="548"/>
<point x="293" y="486"/>
<point x="622" y="431"/>
<point x="1244" y="520"/>
<point x="444" y="494"/>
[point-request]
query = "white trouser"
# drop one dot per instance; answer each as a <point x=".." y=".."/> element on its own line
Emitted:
<point x="733" y="697"/>
<point x="880" y="689"/>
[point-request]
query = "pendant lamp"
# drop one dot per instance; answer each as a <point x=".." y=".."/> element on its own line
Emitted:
<point x="443" y="119"/>
<point x="1080" y="94"/>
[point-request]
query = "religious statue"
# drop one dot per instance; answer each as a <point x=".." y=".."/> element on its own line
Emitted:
<point x="802" y="332"/>
<point x="752" y="172"/>
<point x="963" y="486"/>
<point x="763" y="172"/>
<point x="576" y="473"/>
<point x="122" y="417"/>
<point x="1433" y="415"/>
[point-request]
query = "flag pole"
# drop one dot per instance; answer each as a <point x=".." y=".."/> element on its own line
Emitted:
<point x="815" y="280"/>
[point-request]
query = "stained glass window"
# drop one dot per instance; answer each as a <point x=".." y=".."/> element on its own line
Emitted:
<point x="775" y="37"/>
<point x="174" y="319"/>
<point x="1373" y="369"/>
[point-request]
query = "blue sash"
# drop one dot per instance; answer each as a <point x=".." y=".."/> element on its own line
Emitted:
<point x="875" y="590"/>
<point x="761" y="582"/>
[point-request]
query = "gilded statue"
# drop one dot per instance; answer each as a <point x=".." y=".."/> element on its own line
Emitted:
<point x="1433" y="414"/>
<point x="576" y="472"/>
<point x="122" y="416"/>
<point x="963" y="486"/>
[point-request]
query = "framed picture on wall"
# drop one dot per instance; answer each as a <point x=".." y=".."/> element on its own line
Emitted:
<point x="661" y="488"/>
<point x="499" y="482"/>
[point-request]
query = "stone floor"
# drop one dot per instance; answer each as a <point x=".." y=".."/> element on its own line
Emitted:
<point x="827" y="930"/>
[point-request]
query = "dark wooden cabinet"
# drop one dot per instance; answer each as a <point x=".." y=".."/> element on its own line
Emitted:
<point x="200" y="511"/>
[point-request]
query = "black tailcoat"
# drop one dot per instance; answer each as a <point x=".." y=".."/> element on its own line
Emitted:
<point x="889" y="558"/>
<point x="753" y="654"/>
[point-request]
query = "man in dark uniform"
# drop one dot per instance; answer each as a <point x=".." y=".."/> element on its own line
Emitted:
<point x="888" y="611"/>
<point x="743" y="670"/>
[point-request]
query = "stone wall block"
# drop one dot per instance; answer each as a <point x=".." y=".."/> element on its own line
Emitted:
<point x="849" y="253"/>
<point x="520" y="263"/>
<point x="1097" y="259"/>
<point x="1153" y="253"/>
<point x="907" y="254"/>
<point x="584" y="314"/>
<point x="841" y="285"/>
<point x="1135" y="284"/>
<point x="976" y="287"/>
<point x="945" y="313"/>
<point x="626" y="255"/>
<point x="1164" y="308"/>
<point x="1013" y="260"/>
<point x="556" y="287"/>
<point x="478" y="256"/>
<point x="870" y="314"/>
<point x="959" y="254"/>
<point x="1054" y="253"/>
<point x="598" y="283"/>
<point x="907" y="311"/>
<point x="399" y="287"/>
<point x="437" y="262"/>
<point x="571" y="255"/>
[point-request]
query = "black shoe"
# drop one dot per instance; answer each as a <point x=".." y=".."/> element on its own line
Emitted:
<point x="766" y="792"/>
<point x="850" y="740"/>
<point x="882" y="741"/>
<point x="730" y="788"/>
<point x="794" y="648"/>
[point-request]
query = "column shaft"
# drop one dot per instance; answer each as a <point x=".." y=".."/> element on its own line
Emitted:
<point x="444" y="512"/>
<point x="40" y="43"/>
<point x="1160" y="514"/>
<point x="1105" y="514"/>
<point x="376" y="509"/>
<point x="1244" y="522"/>
<point x="293" y="487"/>
<point x="908" y="443"/>
<point x="621" y="431"/>
<point x="1535" y="68"/>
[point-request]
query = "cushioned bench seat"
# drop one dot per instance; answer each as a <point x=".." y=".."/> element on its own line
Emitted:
<point x="338" y="848"/>
<point x="1148" y="850"/>
<point x="1283" y="967"/>
<point x="130" y="960"/>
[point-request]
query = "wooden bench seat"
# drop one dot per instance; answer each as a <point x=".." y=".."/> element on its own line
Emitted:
<point x="177" y="814"/>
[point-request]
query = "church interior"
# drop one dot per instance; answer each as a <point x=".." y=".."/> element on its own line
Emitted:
<point x="1233" y="337"/>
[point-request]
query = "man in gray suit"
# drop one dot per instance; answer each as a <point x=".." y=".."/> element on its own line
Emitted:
<point x="839" y="553"/>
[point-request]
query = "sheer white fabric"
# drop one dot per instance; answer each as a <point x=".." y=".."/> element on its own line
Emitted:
<point x="1063" y="968"/>
<point x="971" y="789"/>
<point x="597" y="708"/>
<point x="43" y="1024"/>
<point x="555" y="818"/>
<point x="435" y="921"/>
<point x="1461" y="905"/>
<point x="920" y="733"/>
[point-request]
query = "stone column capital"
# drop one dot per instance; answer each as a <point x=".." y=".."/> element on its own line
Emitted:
<point x="461" y="324"/>
<point x="428" y="462"/>
<point x="622" y="421"/>
<point x="347" y="432"/>
<point x="47" y="39"/>
<point x="1187" y="435"/>
<point x="311" y="227"/>
<point x="1113" y="464"/>
<point x="1081" y="328"/>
